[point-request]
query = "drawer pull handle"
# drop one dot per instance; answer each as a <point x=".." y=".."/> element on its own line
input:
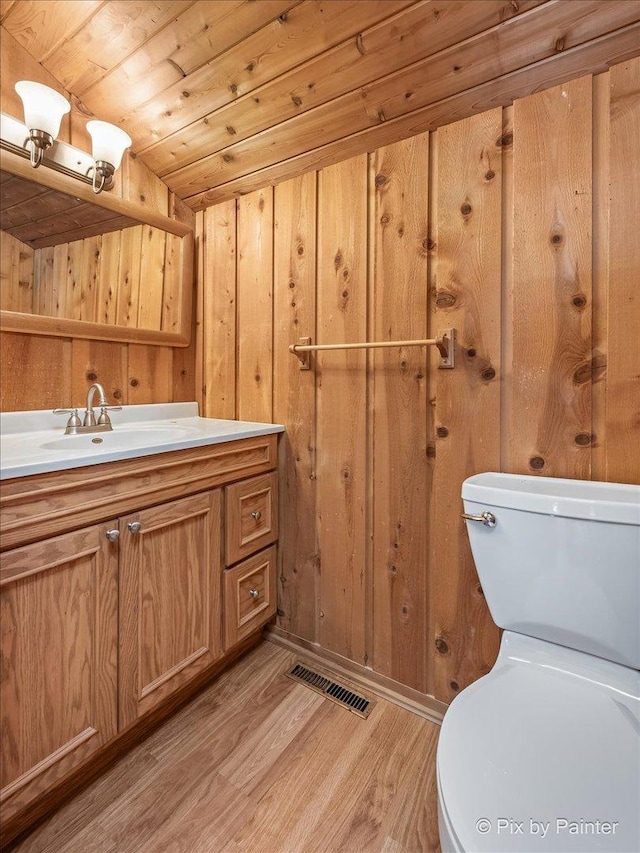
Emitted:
<point x="257" y="515"/>
<point x="134" y="526"/>
<point x="113" y="535"/>
<point x="254" y="593"/>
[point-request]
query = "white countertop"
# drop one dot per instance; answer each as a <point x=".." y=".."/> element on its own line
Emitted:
<point x="34" y="442"/>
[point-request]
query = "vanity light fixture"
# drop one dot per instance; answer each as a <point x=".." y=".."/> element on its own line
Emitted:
<point x="44" y="109"/>
<point x="108" y="145"/>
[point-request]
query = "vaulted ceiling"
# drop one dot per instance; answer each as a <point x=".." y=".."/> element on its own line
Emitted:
<point x="224" y="96"/>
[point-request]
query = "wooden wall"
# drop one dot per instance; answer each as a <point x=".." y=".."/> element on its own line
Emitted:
<point x="39" y="372"/>
<point x="516" y="227"/>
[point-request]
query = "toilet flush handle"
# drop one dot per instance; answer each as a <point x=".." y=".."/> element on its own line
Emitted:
<point x="487" y="518"/>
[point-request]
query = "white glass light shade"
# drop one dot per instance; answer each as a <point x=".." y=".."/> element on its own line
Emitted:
<point x="43" y="107"/>
<point x="108" y="141"/>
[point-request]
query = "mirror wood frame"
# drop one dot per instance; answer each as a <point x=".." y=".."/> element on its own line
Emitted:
<point x="34" y="324"/>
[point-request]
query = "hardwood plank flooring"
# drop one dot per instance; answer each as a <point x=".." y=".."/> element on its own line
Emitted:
<point x="260" y="764"/>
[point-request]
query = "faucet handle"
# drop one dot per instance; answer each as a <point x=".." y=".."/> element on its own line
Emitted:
<point x="104" y="417"/>
<point x="74" y="421"/>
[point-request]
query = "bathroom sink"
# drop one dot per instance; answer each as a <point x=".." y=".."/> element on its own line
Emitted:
<point x="123" y="437"/>
<point x="33" y="442"/>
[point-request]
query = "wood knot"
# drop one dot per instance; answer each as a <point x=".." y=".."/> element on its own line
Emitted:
<point x="490" y="175"/>
<point x="583" y="373"/>
<point x="441" y="646"/>
<point x="466" y="209"/>
<point x="471" y="352"/>
<point x="360" y="45"/>
<point x="444" y="299"/>
<point x="231" y="130"/>
<point x="559" y="45"/>
<point x="393" y="569"/>
<point x="385" y="219"/>
<point x="381" y="180"/>
<point x="92" y="376"/>
<point x="227" y="158"/>
<point x="233" y="88"/>
<point x="292" y="283"/>
<point x="506" y="140"/>
<point x="117" y="394"/>
<point x="556" y="239"/>
<point x="337" y="260"/>
<point x="345" y="294"/>
<point x="250" y="67"/>
<point x="133" y="382"/>
<point x="296" y="100"/>
<point x="442" y="432"/>
<point x="431" y="451"/>
<point x="429" y="244"/>
<point x="579" y="300"/>
<point x="457" y="68"/>
<point x="185" y="94"/>
<point x="583" y="439"/>
<point x="300" y="250"/>
<point x="261" y="204"/>
<point x="257" y="377"/>
<point x="537" y="463"/>
<point x="454" y="686"/>
<point x="488" y="374"/>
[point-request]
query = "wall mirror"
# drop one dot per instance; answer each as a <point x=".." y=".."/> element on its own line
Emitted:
<point x="77" y="265"/>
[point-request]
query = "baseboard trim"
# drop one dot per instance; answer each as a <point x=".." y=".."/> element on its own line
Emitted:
<point x="386" y="688"/>
<point x="16" y="828"/>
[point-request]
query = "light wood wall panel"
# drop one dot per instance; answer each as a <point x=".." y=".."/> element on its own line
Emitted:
<point x="398" y="183"/>
<point x="552" y="256"/>
<point x="16" y="274"/>
<point x="466" y="290"/>
<point x="255" y="307"/>
<point x="623" y="302"/>
<point x="341" y="434"/>
<point x="294" y="401"/>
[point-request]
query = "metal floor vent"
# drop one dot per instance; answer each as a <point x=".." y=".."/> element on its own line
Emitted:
<point x="359" y="705"/>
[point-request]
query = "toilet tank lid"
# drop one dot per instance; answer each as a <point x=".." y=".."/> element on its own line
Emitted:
<point x="611" y="502"/>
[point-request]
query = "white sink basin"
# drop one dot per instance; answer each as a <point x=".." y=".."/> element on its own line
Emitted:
<point x="35" y="443"/>
<point x="130" y="436"/>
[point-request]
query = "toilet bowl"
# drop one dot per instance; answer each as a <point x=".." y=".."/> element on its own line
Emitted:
<point x="543" y="753"/>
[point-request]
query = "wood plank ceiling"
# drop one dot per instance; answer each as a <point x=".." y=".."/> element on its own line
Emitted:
<point x="224" y="96"/>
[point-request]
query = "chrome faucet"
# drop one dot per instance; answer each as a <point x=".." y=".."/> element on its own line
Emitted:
<point x="89" y="423"/>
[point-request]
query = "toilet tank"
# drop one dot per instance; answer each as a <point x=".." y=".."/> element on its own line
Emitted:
<point x="562" y="562"/>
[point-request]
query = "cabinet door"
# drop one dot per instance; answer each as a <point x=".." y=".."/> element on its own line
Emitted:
<point x="170" y="617"/>
<point x="59" y="659"/>
<point x="251" y="517"/>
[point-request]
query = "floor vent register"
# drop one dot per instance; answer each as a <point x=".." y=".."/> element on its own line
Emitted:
<point x="338" y="693"/>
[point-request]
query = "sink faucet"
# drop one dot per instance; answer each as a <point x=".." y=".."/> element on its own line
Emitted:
<point x="89" y="415"/>
<point x="90" y="423"/>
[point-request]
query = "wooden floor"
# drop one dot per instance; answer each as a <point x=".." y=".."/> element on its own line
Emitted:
<point x="258" y="763"/>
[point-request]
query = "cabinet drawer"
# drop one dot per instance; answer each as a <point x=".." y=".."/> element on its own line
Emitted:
<point x="249" y="595"/>
<point x="252" y="516"/>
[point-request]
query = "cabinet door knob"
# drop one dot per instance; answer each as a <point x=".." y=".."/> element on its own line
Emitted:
<point x="254" y="593"/>
<point x="113" y="535"/>
<point x="134" y="526"/>
<point x="257" y="515"/>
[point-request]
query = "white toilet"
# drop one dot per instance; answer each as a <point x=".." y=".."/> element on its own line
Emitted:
<point x="543" y="753"/>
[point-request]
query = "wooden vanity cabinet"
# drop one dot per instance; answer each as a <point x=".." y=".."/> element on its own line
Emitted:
<point x="170" y="607"/>
<point x="59" y="659"/>
<point x="112" y="582"/>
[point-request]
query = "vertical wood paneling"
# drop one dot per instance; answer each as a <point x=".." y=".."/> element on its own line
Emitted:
<point x="108" y="279"/>
<point x="550" y="427"/>
<point x="294" y="400"/>
<point x="99" y="361"/>
<point x="255" y="308"/>
<point x="151" y="274"/>
<point x="341" y="406"/>
<point x="467" y="297"/>
<point x="129" y="276"/>
<point x="92" y="248"/>
<point x="218" y="260"/>
<point x="398" y="307"/>
<point x="623" y="362"/>
<point x="16" y="274"/>
<point x="150" y="374"/>
<point x="47" y="382"/>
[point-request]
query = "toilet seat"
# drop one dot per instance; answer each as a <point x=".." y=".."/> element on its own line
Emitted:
<point x="551" y="737"/>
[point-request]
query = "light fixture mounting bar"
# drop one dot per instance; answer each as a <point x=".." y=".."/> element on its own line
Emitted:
<point x="62" y="157"/>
